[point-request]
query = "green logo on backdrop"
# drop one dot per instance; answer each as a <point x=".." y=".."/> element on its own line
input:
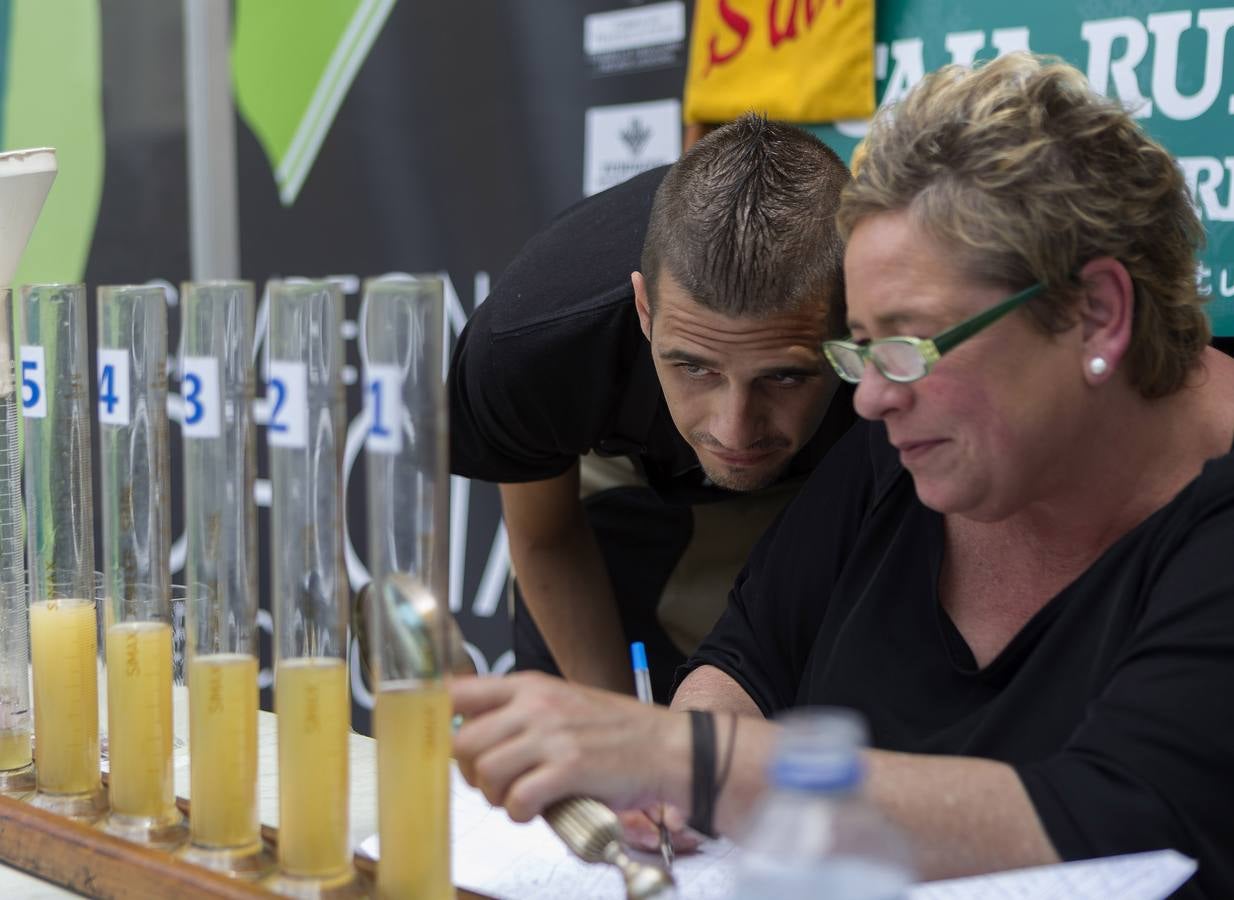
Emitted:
<point x="293" y="63"/>
<point x="1171" y="66"/>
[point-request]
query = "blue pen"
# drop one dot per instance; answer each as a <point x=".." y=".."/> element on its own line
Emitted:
<point x="642" y="688"/>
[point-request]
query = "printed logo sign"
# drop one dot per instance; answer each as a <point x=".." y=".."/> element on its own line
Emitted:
<point x="632" y="40"/>
<point x="623" y="141"/>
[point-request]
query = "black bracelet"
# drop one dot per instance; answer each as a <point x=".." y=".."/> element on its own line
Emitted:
<point x="703" y="791"/>
<point x="728" y="756"/>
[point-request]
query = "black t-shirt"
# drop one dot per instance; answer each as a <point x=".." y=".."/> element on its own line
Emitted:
<point x="1115" y="703"/>
<point x="553" y="365"/>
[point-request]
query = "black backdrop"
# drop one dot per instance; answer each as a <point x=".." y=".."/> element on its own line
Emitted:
<point x="462" y="133"/>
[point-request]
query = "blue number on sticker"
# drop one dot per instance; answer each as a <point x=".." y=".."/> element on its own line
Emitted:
<point x="107" y="389"/>
<point x="197" y="410"/>
<point x="31" y="399"/>
<point x="377" y="429"/>
<point x="280" y="392"/>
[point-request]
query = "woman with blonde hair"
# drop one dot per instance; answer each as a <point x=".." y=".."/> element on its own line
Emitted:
<point x="1018" y="569"/>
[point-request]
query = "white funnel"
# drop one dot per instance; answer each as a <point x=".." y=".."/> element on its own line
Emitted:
<point x="25" y="179"/>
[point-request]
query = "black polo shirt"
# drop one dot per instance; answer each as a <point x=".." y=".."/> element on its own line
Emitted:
<point x="553" y="365"/>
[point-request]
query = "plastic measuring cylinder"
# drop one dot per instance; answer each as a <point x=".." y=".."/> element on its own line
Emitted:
<point x="26" y="177"/>
<point x="55" y="400"/>
<point x="16" y="768"/>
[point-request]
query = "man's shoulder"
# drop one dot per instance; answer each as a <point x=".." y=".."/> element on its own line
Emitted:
<point x="578" y="266"/>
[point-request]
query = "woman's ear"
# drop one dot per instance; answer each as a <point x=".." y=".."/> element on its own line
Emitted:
<point x="1106" y="314"/>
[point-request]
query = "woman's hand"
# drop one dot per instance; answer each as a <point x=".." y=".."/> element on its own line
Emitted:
<point x="530" y="739"/>
<point x="642" y="830"/>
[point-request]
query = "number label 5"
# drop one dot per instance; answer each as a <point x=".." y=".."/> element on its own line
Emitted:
<point x="113" y="386"/>
<point x="33" y="382"/>
<point x="199" y="388"/>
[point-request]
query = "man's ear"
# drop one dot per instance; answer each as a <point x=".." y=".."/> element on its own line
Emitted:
<point x="1107" y="309"/>
<point x="642" y="302"/>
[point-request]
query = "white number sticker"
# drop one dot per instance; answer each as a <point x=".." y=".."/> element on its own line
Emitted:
<point x="383" y="398"/>
<point x="33" y="382"/>
<point x="287" y="395"/>
<point x="199" y="388"/>
<point x="113" y="386"/>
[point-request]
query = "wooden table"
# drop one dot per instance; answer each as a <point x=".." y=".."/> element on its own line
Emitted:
<point x="23" y="827"/>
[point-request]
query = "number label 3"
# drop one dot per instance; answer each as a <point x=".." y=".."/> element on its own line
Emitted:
<point x="199" y="388"/>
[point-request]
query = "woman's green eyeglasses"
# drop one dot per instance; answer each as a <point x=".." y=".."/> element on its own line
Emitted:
<point x="906" y="359"/>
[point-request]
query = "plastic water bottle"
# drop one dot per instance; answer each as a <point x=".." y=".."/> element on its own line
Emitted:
<point x="813" y="835"/>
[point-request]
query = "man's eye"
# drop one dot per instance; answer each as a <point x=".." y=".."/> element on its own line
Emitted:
<point x="693" y="371"/>
<point x="786" y="380"/>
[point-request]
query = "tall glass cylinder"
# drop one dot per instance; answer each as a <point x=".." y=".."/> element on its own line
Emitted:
<point x="132" y="411"/>
<point x="408" y="539"/>
<point x="217" y="386"/>
<point x="16" y="768"/>
<point x="306" y="432"/>
<point x="60" y="545"/>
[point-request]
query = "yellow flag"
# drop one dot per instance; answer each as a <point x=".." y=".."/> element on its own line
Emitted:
<point x="796" y="60"/>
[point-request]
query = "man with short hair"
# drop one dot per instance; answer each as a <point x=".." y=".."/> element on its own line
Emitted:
<point x="646" y="418"/>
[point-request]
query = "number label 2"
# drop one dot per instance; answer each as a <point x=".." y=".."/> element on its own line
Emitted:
<point x="199" y="388"/>
<point x="287" y="395"/>
<point x="33" y="382"/>
<point x="113" y="386"/>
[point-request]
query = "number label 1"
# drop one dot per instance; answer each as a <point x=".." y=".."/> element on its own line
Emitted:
<point x="199" y="388"/>
<point x="287" y="396"/>
<point x="113" y="386"/>
<point x="383" y="399"/>
<point x="33" y="382"/>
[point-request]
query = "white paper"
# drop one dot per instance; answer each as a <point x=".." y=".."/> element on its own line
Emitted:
<point x="507" y="861"/>
<point x="1138" y="876"/>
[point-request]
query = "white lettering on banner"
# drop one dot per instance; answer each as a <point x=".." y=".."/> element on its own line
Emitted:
<point x="1100" y="35"/>
<point x="1205" y="177"/>
<point x="964" y="46"/>
<point x="908" y="55"/>
<point x="1224" y="281"/>
<point x="1167" y="30"/>
<point x="1009" y="40"/>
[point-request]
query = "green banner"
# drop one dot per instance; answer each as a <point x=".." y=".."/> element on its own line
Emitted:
<point x="52" y="97"/>
<point x="293" y="62"/>
<point x="1170" y="65"/>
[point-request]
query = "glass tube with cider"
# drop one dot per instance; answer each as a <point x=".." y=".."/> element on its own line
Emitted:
<point x="60" y="547"/>
<point x="216" y="378"/>
<point x="408" y="540"/>
<point x="132" y="412"/>
<point x="306" y="431"/>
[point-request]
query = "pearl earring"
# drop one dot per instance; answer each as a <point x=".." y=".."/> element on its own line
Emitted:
<point x="1097" y="365"/>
